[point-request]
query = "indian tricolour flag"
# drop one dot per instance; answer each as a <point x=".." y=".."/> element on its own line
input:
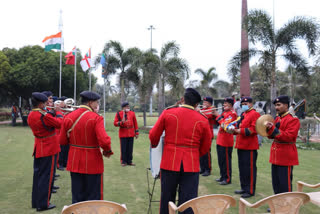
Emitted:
<point x="53" y="42"/>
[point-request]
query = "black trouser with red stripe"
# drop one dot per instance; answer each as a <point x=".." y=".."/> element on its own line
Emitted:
<point x="187" y="182"/>
<point x="126" y="149"/>
<point x="248" y="170"/>
<point x="281" y="178"/>
<point x="205" y="162"/>
<point x="225" y="162"/>
<point x="42" y="181"/>
<point x="86" y="187"/>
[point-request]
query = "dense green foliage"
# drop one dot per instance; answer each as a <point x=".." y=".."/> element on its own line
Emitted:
<point x="32" y="69"/>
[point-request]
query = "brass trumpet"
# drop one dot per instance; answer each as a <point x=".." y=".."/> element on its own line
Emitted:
<point x="209" y="111"/>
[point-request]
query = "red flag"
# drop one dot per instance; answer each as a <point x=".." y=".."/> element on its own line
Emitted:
<point x="70" y="57"/>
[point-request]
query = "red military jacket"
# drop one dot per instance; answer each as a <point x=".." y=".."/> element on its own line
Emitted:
<point x="211" y="118"/>
<point x="43" y="126"/>
<point x="247" y="139"/>
<point x="225" y="139"/>
<point x="129" y="128"/>
<point x="283" y="151"/>
<point x="187" y="137"/>
<point x="85" y="140"/>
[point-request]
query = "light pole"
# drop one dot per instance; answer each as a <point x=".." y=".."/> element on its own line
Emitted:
<point x="150" y="28"/>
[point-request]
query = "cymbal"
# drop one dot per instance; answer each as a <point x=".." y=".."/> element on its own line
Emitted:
<point x="261" y="124"/>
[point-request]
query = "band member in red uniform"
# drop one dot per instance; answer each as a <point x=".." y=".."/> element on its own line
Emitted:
<point x="283" y="152"/>
<point x="63" y="155"/>
<point x="43" y="124"/>
<point x="127" y="121"/>
<point x="84" y="131"/>
<point x="225" y="141"/>
<point x="247" y="145"/>
<point x="187" y="137"/>
<point x="205" y="160"/>
<point x="50" y="108"/>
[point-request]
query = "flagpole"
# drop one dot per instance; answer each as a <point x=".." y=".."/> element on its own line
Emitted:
<point x="89" y="79"/>
<point x="75" y="76"/>
<point x="60" y="28"/>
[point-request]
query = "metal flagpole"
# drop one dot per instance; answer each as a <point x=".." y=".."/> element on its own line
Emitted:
<point x="150" y="107"/>
<point x="75" y="76"/>
<point x="60" y="28"/>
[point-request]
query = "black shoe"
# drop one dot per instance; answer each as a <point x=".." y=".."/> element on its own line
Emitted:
<point x="268" y="210"/>
<point x="51" y="206"/>
<point x="218" y="180"/>
<point x="53" y="191"/>
<point x="239" y="191"/>
<point x="56" y="175"/>
<point x="55" y="187"/>
<point x="246" y="195"/>
<point x="55" y="178"/>
<point x="61" y="168"/>
<point x="131" y="164"/>
<point x="201" y="172"/>
<point x="224" y="183"/>
<point x="206" y="173"/>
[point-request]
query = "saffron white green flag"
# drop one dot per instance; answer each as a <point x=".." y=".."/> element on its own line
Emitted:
<point x="53" y="42"/>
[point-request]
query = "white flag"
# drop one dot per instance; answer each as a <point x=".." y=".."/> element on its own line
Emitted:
<point x="86" y="63"/>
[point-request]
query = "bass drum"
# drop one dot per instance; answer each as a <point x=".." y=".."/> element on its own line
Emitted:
<point x="155" y="157"/>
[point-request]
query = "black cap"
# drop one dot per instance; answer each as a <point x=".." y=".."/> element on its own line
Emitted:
<point x="246" y="99"/>
<point x="124" y="104"/>
<point x="90" y="95"/>
<point x="39" y="96"/>
<point x="191" y="95"/>
<point x="62" y="98"/>
<point x="282" y="99"/>
<point x="55" y="98"/>
<point x="229" y="100"/>
<point x="208" y="99"/>
<point x="47" y="93"/>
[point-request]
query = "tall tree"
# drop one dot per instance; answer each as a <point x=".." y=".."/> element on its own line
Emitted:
<point x="173" y="72"/>
<point x="143" y="74"/>
<point x="269" y="43"/>
<point x="119" y="59"/>
<point x="207" y="78"/>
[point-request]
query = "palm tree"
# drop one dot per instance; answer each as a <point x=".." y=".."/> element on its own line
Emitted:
<point x="119" y="59"/>
<point x="269" y="43"/>
<point x="207" y="78"/>
<point x="173" y="71"/>
<point x="142" y="75"/>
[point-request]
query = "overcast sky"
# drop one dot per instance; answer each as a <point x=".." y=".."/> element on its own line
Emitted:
<point x="208" y="31"/>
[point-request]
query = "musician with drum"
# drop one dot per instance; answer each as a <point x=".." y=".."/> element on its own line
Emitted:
<point x="187" y="137"/>
<point x="225" y="141"/>
<point x="283" y="153"/>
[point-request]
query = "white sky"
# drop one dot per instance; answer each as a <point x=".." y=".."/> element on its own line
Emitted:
<point x="208" y="31"/>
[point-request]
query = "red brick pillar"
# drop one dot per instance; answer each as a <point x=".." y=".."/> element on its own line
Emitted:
<point x="244" y="71"/>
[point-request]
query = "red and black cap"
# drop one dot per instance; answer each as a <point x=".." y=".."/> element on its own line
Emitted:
<point x="282" y="99"/>
<point x="208" y="99"/>
<point x="246" y="99"/>
<point x="229" y="100"/>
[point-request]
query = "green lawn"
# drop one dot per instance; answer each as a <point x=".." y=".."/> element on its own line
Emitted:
<point x="129" y="184"/>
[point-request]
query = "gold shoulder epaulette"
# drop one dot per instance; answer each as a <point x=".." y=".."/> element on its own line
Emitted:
<point x="173" y="106"/>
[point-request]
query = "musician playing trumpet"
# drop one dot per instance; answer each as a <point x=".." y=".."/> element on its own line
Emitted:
<point x="283" y="152"/>
<point x="225" y="140"/>
<point x="205" y="160"/>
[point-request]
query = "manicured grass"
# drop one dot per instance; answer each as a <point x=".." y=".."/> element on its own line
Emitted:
<point x="129" y="184"/>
